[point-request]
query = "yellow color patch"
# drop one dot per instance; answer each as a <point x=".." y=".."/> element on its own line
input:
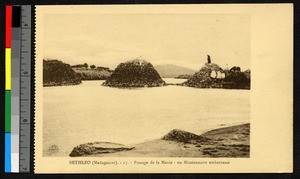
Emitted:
<point x="7" y="68"/>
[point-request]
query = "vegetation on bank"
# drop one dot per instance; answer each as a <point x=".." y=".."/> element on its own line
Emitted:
<point x="92" y="72"/>
<point x="183" y="76"/>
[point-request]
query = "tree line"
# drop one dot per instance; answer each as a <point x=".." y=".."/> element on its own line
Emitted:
<point x="85" y="65"/>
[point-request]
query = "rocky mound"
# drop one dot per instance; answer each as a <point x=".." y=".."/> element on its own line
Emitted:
<point x="57" y="73"/>
<point x="135" y="73"/>
<point x="209" y="76"/>
<point x="213" y="76"/>
<point x="98" y="148"/>
<point x="182" y="136"/>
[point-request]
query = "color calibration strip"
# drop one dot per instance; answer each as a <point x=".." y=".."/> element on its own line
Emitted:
<point x="17" y="88"/>
<point x="8" y="29"/>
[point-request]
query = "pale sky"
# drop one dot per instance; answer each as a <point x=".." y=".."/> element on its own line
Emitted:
<point x="183" y="40"/>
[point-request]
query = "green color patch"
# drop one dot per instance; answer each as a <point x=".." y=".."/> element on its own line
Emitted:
<point x="7" y="111"/>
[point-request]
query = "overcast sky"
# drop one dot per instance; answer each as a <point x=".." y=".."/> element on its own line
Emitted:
<point x="184" y="40"/>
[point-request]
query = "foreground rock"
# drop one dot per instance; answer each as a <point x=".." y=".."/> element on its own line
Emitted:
<point x="183" y="136"/>
<point x="135" y="73"/>
<point x="229" y="142"/>
<point x="57" y="73"/>
<point x="98" y="148"/>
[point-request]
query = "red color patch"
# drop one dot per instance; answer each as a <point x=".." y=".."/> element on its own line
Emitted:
<point x="8" y="17"/>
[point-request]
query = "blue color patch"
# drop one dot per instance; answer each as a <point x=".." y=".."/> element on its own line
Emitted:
<point x="7" y="152"/>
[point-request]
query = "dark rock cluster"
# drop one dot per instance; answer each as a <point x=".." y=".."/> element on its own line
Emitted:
<point x="135" y="73"/>
<point x="57" y="73"/>
<point x="213" y="76"/>
<point x="209" y="76"/>
<point x="236" y="79"/>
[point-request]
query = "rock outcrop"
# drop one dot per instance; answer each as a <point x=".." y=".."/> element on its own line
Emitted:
<point x="209" y="76"/>
<point x="231" y="142"/>
<point x="98" y="148"/>
<point x="213" y="76"/>
<point x="183" y="136"/>
<point x="135" y="73"/>
<point x="57" y="73"/>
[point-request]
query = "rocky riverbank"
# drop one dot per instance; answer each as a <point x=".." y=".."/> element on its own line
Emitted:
<point x="229" y="142"/>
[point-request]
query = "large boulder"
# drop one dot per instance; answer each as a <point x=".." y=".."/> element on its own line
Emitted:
<point x="57" y="73"/>
<point x="135" y="73"/>
<point x="178" y="135"/>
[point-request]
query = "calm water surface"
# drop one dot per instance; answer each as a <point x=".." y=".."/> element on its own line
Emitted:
<point x="90" y="112"/>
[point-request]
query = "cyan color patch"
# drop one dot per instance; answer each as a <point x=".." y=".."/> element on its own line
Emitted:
<point x="7" y="152"/>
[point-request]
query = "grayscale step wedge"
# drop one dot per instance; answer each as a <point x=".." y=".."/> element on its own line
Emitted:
<point x="25" y="92"/>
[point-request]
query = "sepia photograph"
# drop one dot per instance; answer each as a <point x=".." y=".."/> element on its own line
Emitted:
<point x="147" y="85"/>
<point x="131" y="88"/>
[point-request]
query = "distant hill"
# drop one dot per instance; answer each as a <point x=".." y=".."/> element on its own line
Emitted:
<point x="172" y="71"/>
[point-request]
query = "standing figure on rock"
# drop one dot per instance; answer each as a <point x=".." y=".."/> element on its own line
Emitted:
<point x="208" y="59"/>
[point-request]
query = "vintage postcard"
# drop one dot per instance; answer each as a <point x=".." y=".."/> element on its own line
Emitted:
<point x="164" y="88"/>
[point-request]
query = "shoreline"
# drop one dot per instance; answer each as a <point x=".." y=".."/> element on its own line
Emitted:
<point x="140" y="87"/>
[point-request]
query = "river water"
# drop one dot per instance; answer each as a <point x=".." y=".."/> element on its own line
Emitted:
<point x="90" y="112"/>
